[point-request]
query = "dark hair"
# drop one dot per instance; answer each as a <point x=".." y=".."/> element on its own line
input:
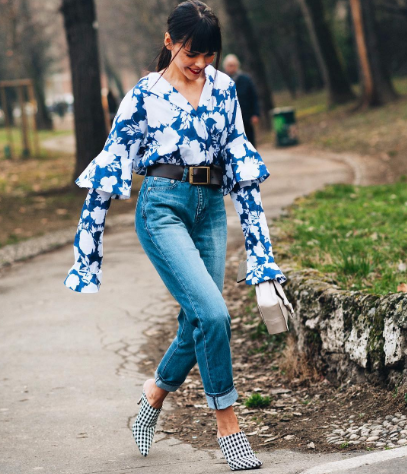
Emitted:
<point x="192" y="20"/>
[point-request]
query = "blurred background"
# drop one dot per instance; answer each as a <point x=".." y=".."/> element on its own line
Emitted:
<point x="336" y="68"/>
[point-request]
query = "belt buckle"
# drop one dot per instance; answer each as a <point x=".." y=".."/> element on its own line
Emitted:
<point x="191" y="175"/>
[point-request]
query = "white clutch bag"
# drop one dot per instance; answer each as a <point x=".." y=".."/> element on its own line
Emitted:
<point x="272" y="302"/>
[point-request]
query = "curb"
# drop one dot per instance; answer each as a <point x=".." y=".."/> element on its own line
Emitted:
<point x="53" y="240"/>
<point x="357" y="461"/>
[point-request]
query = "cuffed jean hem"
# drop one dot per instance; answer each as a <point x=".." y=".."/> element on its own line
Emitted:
<point x="220" y="402"/>
<point x="164" y="385"/>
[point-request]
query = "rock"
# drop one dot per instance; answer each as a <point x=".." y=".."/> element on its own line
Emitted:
<point x="354" y="436"/>
<point x="372" y="438"/>
<point x="311" y="445"/>
<point x="402" y="441"/>
<point x="289" y="437"/>
<point x="380" y="444"/>
<point x="278" y="391"/>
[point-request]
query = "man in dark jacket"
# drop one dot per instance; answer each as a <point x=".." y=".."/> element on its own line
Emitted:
<point x="246" y="93"/>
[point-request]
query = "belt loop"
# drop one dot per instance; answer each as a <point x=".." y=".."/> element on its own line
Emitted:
<point x="185" y="174"/>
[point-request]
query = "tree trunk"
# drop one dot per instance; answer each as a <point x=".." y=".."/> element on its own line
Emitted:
<point x="286" y="73"/>
<point x="90" y="129"/>
<point x="339" y="89"/>
<point x="377" y="88"/>
<point x="308" y="73"/>
<point x="33" y="58"/>
<point x="243" y="27"/>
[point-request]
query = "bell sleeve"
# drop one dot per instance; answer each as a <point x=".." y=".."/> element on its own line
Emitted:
<point x="112" y="169"/>
<point x="85" y="276"/>
<point x="260" y="259"/>
<point x="240" y="160"/>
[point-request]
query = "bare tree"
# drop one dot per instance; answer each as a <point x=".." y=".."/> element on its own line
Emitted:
<point x="239" y="19"/>
<point x="377" y="88"/>
<point x="339" y="89"/>
<point x="81" y="32"/>
<point x="27" y="47"/>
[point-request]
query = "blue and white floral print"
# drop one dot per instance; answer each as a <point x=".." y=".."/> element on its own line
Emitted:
<point x="85" y="275"/>
<point x="157" y="124"/>
<point x="260" y="260"/>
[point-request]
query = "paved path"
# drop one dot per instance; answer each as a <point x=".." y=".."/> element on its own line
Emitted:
<point x="69" y="379"/>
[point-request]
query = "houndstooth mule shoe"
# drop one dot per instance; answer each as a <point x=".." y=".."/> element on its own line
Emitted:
<point x="238" y="452"/>
<point x="145" y="424"/>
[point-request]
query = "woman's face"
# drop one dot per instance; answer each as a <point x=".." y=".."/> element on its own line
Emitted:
<point x="189" y="63"/>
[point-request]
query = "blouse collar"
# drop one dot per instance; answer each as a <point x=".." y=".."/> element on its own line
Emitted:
<point x="159" y="86"/>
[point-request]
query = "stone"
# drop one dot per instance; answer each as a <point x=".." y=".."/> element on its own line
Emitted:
<point x="353" y="436"/>
<point x="311" y="445"/>
<point x="402" y="441"/>
<point x="372" y="438"/>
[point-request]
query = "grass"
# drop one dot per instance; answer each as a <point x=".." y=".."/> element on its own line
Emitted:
<point x="380" y="131"/>
<point x="354" y="234"/>
<point x="38" y="195"/>
<point x="16" y="141"/>
<point x="257" y="401"/>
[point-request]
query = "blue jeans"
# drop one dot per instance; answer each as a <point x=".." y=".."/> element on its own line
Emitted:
<point x="182" y="227"/>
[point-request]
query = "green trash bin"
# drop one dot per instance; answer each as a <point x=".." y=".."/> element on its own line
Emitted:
<point x="285" y="126"/>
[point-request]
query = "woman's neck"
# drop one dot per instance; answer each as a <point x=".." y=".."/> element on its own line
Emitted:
<point x="175" y="77"/>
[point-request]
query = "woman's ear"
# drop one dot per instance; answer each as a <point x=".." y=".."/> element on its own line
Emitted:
<point x="167" y="41"/>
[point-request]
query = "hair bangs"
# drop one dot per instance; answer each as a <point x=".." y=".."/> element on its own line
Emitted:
<point x="205" y="38"/>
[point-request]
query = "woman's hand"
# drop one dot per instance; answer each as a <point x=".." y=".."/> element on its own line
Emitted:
<point x="269" y="291"/>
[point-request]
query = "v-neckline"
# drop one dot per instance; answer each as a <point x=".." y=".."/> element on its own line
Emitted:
<point x="201" y="97"/>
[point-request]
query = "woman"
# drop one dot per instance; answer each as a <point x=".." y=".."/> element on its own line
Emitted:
<point x="181" y="128"/>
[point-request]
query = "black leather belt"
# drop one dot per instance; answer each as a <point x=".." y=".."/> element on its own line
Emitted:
<point x="196" y="174"/>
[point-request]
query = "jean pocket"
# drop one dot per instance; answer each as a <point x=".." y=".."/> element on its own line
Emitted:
<point x="160" y="183"/>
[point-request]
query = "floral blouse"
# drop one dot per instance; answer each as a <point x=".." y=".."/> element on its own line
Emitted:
<point x="157" y="124"/>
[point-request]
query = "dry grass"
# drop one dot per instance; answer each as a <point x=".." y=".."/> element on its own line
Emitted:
<point x="295" y="364"/>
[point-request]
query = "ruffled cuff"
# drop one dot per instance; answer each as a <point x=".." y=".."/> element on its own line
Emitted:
<point x="260" y="259"/>
<point x="85" y="276"/>
<point x="83" y="280"/>
<point x="242" y="162"/>
<point x="110" y="172"/>
<point x="263" y="272"/>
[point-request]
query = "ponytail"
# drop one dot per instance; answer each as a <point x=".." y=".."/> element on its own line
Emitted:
<point x="164" y="59"/>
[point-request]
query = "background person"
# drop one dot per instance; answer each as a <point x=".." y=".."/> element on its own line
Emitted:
<point x="246" y="91"/>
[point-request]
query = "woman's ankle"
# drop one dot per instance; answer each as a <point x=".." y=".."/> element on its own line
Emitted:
<point x="227" y="431"/>
<point x="155" y="395"/>
<point x="227" y="422"/>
